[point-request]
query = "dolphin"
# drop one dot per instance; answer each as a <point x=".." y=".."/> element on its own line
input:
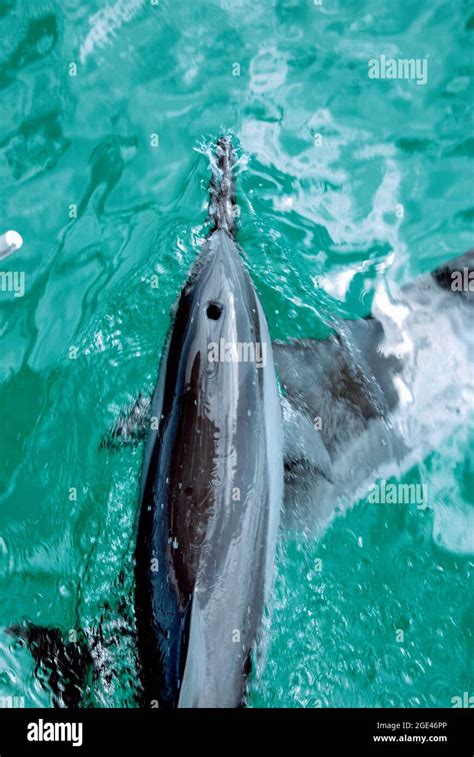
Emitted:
<point x="370" y="401"/>
<point x="212" y="481"/>
<point x="387" y="389"/>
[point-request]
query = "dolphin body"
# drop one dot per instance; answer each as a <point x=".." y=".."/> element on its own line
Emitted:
<point x="212" y="482"/>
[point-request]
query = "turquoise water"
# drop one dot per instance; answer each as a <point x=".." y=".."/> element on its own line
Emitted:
<point x="108" y="118"/>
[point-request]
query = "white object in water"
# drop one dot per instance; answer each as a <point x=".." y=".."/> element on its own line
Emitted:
<point x="9" y="242"/>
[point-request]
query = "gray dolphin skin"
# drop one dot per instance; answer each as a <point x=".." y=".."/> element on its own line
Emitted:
<point x="212" y="481"/>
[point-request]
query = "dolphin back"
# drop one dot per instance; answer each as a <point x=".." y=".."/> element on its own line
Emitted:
<point x="212" y="481"/>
